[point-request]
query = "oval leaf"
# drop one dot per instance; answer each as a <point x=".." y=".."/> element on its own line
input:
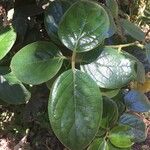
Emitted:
<point x="7" y="40"/>
<point x="137" y="101"/>
<point x="12" y="91"/>
<point x="75" y="109"/>
<point x="37" y="62"/>
<point x="132" y="29"/>
<point x="121" y="137"/>
<point x="84" y="26"/>
<point x="110" y="113"/>
<point x="138" y="127"/>
<point x="111" y="70"/>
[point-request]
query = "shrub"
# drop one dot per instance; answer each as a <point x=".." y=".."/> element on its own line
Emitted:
<point x="92" y="103"/>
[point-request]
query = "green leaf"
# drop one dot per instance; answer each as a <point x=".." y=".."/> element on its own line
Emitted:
<point x="53" y="15"/>
<point x="98" y="144"/>
<point x="112" y="147"/>
<point x="37" y="62"/>
<point x="7" y="40"/>
<point x="137" y="101"/>
<point x="109" y="92"/>
<point x="12" y="91"/>
<point x="110" y="113"/>
<point x="132" y="29"/>
<point x="121" y="137"/>
<point x="75" y="109"/>
<point x="138" y="127"/>
<point x="147" y="47"/>
<point x="111" y="70"/>
<point x="113" y="6"/>
<point x="140" y="70"/>
<point x="84" y="26"/>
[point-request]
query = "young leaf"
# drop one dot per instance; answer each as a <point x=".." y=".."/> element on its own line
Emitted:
<point x="37" y="62"/>
<point x="53" y="15"/>
<point x="113" y="6"/>
<point x="121" y="137"/>
<point x="112" y="147"/>
<point x="138" y="127"/>
<point x="137" y="101"/>
<point x="147" y="47"/>
<point x="111" y="69"/>
<point x="98" y="144"/>
<point x="84" y="26"/>
<point x="110" y="113"/>
<point x="7" y="40"/>
<point x="132" y="29"/>
<point x="75" y="109"/>
<point x="12" y="91"/>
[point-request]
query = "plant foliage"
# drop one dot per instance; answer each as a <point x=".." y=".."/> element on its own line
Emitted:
<point x="87" y="107"/>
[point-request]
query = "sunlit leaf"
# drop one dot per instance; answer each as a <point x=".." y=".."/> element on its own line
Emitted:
<point x="84" y="26"/>
<point x="111" y="69"/>
<point x="75" y="109"/>
<point x="121" y="137"/>
<point x="7" y="40"/>
<point x="37" y="62"/>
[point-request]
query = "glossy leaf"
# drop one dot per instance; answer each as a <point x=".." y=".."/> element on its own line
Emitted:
<point x="111" y="70"/>
<point x="98" y="144"/>
<point x="147" y="47"/>
<point x="132" y="29"/>
<point x="137" y="101"/>
<point x="110" y="113"/>
<point x="75" y="109"/>
<point x="7" y="40"/>
<point x="113" y="6"/>
<point x="121" y="137"/>
<point x="12" y="91"/>
<point x="84" y="26"/>
<point x="37" y="62"/>
<point x="140" y="70"/>
<point x="138" y="127"/>
<point x="53" y="15"/>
